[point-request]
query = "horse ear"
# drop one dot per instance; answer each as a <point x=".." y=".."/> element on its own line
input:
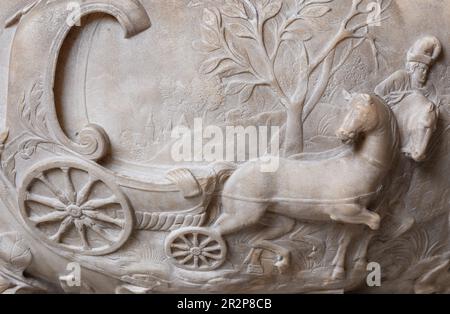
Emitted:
<point x="431" y="107"/>
<point x="346" y="94"/>
<point x="366" y="97"/>
<point x="435" y="109"/>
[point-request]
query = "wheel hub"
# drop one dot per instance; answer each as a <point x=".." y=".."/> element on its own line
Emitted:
<point x="196" y="251"/>
<point x="74" y="211"/>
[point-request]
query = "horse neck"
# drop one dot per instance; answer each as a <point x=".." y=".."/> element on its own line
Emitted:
<point x="380" y="145"/>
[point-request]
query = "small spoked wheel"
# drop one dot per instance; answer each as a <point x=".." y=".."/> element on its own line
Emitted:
<point x="73" y="206"/>
<point x="198" y="249"/>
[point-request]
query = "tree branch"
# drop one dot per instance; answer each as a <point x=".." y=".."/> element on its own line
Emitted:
<point x="342" y="34"/>
<point x="269" y="61"/>
<point x="320" y="88"/>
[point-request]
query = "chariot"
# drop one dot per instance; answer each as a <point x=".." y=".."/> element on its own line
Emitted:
<point x="67" y="198"/>
<point x="71" y="199"/>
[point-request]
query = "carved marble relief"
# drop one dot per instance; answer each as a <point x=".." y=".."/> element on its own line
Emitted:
<point x="216" y="146"/>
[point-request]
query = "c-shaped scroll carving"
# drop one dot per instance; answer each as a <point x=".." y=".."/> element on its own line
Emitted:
<point x="34" y="56"/>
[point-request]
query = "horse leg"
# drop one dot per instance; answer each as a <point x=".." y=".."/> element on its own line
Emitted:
<point x="339" y="259"/>
<point x="361" y="252"/>
<point x="276" y="227"/>
<point x="355" y="214"/>
<point x="237" y="215"/>
<point x="283" y="254"/>
<point x="253" y="261"/>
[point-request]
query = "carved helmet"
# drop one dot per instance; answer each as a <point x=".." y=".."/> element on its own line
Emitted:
<point x="425" y="50"/>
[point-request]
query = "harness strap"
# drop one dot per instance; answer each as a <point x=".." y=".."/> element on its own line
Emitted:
<point x="300" y="200"/>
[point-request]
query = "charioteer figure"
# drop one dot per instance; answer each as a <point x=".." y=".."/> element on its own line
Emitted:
<point x="415" y="104"/>
<point x="400" y="84"/>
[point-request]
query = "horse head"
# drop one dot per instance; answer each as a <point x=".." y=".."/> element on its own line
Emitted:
<point x="361" y="118"/>
<point x="417" y="119"/>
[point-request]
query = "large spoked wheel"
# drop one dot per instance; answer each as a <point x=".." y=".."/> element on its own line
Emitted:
<point x="73" y="206"/>
<point x="198" y="249"/>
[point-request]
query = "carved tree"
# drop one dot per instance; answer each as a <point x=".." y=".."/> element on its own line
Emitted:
<point x="243" y="40"/>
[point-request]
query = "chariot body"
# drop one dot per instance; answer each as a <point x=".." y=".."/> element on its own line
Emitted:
<point x="67" y="198"/>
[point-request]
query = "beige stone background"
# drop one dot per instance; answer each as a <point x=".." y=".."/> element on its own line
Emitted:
<point x="138" y="88"/>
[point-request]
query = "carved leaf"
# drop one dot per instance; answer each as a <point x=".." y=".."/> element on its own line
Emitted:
<point x="234" y="87"/>
<point x="15" y="255"/>
<point x="210" y="65"/>
<point x="28" y="148"/>
<point x="230" y="70"/>
<point x="209" y="18"/>
<point x="315" y="11"/>
<point x="241" y="31"/>
<point x="246" y="93"/>
<point x="194" y="3"/>
<point x="262" y="3"/>
<point x="202" y="46"/>
<point x="33" y="113"/>
<point x="272" y="9"/>
<point x="209" y="36"/>
<point x="234" y="8"/>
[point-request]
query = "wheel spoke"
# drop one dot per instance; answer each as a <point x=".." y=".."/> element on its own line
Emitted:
<point x="199" y="249"/>
<point x="82" y="233"/>
<point x="100" y="202"/>
<point x="185" y="240"/>
<point x="64" y="227"/>
<point x="102" y="233"/>
<point x="212" y="256"/>
<point x="180" y="254"/>
<point x="51" y="217"/>
<point x="55" y="190"/>
<point x="205" y="242"/>
<point x="204" y="260"/>
<point x="68" y="205"/>
<point x="195" y="261"/>
<point x="70" y="190"/>
<point x="186" y="259"/>
<point x="105" y="218"/>
<point x="83" y="194"/>
<point x="195" y="239"/>
<point x="47" y="201"/>
<point x="180" y="246"/>
<point x="212" y="248"/>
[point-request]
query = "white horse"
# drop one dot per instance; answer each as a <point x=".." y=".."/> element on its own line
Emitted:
<point x="337" y="189"/>
<point x="417" y="119"/>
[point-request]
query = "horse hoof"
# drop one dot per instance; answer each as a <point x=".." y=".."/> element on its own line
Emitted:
<point x="255" y="269"/>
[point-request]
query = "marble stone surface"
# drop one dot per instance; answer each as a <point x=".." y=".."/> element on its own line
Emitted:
<point x="293" y="146"/>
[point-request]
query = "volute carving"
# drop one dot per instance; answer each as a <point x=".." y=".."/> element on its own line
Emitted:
<point x="33" y="30"/>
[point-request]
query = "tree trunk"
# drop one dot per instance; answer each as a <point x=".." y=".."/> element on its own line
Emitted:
<point x="293" y="142"/>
